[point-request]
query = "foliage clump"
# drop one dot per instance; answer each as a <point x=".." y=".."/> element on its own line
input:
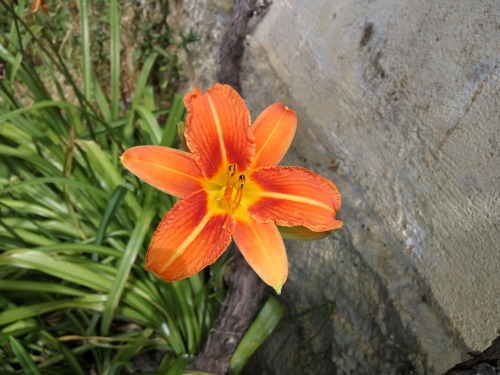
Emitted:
<point x="76" y="90"/>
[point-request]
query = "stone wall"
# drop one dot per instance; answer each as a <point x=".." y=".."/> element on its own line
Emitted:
<point x="398" y="104"/>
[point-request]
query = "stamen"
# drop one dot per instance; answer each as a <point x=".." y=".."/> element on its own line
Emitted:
<point x="228" y="200"/>
<point x="232" y="169"/>
<point x="231" y="172"/>
<point x="239" y="193"/>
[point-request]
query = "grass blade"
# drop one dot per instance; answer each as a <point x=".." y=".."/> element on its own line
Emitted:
<point x="133" y="247"/>
<point x="60" y="181"/>
<point x="75" y="273"/>
<point x="39" y="287"/>
<point x="263" y="325"/>
<point x="84" y="24"/>
<point x="39" y="105"/>
<point x="23" y="357"/>
<point x="90" y="301"/>
<point x="176" y="115"/>
<point x="112" y="206"/>
<point x="149" y="122"/>
<point x="138" y="94"/>
<point x="71" y="360"/>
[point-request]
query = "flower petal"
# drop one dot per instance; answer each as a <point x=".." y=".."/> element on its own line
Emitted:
<point x="188" y="239"/>
<point x="218" y="130"/>
<point x="292" y="196"/>
<point x="273" y="130"/>
<point x="169" y="170"/>
<point x="263" y="248"/>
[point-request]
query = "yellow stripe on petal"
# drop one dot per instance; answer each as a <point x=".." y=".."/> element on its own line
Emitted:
<point x="169" y="170"/>
<point x="291" y="196"/>
<point x="188" y="239"/>
<point x="218" y="130"/>
<point x="191" y="237"/>
<point x="263" y="248"/>
<point x="273" y="130"/>
<point x="218" y="127"/>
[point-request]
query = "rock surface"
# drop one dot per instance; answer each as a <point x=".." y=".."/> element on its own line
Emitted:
<point x="399" y="105"/>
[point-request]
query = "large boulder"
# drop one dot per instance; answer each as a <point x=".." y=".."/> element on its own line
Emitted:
<point x="398" y="104"/>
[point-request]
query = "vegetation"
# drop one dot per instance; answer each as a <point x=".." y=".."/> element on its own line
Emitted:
<point x="74" y="226"/>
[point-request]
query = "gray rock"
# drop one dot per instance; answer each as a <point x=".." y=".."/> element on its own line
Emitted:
<point x="398" y="104"/>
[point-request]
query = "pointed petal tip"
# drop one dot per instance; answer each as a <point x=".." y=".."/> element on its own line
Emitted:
<point x="274" y="131"/>
<point x="263" y="248"/>
<point x="278" y="288"/>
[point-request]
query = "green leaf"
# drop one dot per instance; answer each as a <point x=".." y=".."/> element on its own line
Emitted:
<point x="149" y="122"/>
<point x="23" y="357"/>
<point x="64" y="270"/>
<point x="102" y="102"/>
<point x="138" y="95"/>
<point x="91" y="301"/>
<point x="64" y="181"/>
<point x="263" y="325"/>
<point x="178" y="366"/>
<point x="39" y="287"/>
<point x="99" y="160"/>
<point x="79" y="248"/>
<point x="39" y="105"/>
<point x="134" y="245"/>
<point x="71" y="360"/>
<point x="84" y="24"/>
<point x="112" y="206"/>
<point x="176" y="115"/>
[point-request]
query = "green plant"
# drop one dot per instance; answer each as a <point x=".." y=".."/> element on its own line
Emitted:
<point x="73" y="226"/>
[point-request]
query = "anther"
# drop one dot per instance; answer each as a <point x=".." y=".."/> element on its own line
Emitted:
<point x="231" y="171"/>
<point x="236" y="182"/>
<point x="239" y="193"/>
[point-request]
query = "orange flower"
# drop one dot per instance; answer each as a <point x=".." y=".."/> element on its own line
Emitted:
<point x="36" y="5"/>
<point x="231" y="187"/>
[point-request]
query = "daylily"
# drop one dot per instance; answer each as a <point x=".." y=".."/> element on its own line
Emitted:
<point x="231" y="188"/>
<point x="36" y="5"/>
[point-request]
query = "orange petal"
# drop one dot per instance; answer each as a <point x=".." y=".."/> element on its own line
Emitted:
<point x="273" y="130"/>
<point x="292" y="196"/>
<point x="171" y="171"/>
<point x="218" y="130"/>
<point x="45" y="8"/>
<point x="35" y="5"/>
<point x="188" y="239"/>
<point x="263" y="248"/>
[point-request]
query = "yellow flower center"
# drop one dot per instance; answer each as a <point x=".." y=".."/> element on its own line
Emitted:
<point x="229" y="197"/>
